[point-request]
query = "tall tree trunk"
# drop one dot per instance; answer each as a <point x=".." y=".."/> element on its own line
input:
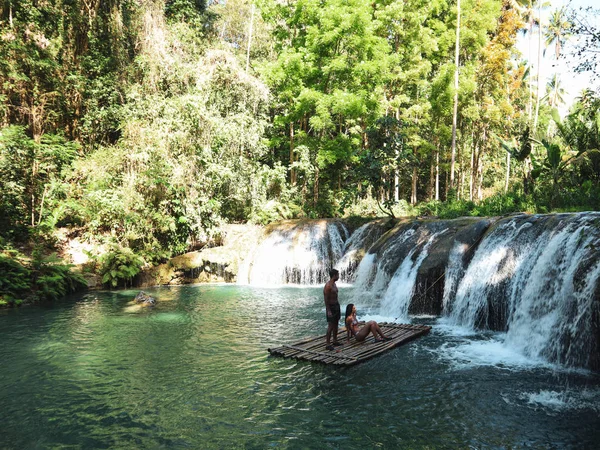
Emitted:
<point x="507" y="172"/>
<point x="42" y="205"/>
<point x="539" y="63"/>
<point x="480" y="179"/>
<point x="472" y="172"/>
<point x="36" y="124"/>
<point x="437" y="172"/>
<point x="34" y="172"/>
<point x="531" y="20"/>
<point x="527" y="162"/>
<point x="413" y="194"/>
<point x="456" y="85"/>
<point x="292" y="170"/>
<point x="396" y="176"/>
<point x="316" y="187"/>
<point x="431" y="193"/>
<point x="447" y="186"/>
<point x="459" y="172"/>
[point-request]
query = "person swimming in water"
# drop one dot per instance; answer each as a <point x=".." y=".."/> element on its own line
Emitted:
<point x="353" y="328"/>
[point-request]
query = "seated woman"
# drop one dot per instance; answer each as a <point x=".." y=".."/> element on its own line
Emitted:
<point x="352" y="328"/>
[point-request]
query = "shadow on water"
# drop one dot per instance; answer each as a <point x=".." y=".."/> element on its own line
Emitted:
<point x="193" y="372"/>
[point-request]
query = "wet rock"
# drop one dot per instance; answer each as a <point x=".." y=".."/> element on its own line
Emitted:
<point x="144" y="299"/>
<point x="214" y="264"/>
<point x="409" y="238"/>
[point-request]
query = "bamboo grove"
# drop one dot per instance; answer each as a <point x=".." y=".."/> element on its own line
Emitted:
<point x="148" y="123"/>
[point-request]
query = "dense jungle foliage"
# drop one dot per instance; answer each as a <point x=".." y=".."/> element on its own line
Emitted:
<point x="145" y="125"/>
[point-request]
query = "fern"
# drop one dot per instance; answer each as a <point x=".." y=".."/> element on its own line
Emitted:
<point x="14" y="281"/>
<point x="119" y="265"/>
<point x="46" y="279"/>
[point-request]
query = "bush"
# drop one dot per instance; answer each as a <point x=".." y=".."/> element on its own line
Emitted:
<point x="14" y="281"/>
<point x="119" y="265"/>
<point x="273" y="211"/>
<point x="46" y="279"/>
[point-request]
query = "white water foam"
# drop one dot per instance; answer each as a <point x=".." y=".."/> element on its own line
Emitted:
<point x="399" y="293"/>
<point x="454" y="272"/>
<point x="467" y="348"/>
<point x="546" y="281"/>
<point x="544" y="295"/>
<point x="351" y="250"/>
<point x="301" y="255"/>
<point x="491" y="352"/>
<point x="564" y="400"/>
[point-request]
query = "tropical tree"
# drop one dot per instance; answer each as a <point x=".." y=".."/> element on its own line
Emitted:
<point x="328" y="80"/>
<point x="557" y="31"/>
<point x="555" y="92"/>
<point x="456" y="86"/>
<point x="577" y="138"/>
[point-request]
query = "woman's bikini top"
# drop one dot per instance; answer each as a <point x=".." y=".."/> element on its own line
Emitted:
<point x="354" y="325"/>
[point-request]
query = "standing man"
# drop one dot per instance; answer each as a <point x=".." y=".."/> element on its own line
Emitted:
<point x="332" y="308"/>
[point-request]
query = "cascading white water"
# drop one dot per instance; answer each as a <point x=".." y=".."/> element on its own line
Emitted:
<point x="547" y="305"/>
<point x="494" y="262"/>
<point x="534" y="277"/>
<point x="388" y="287"/>
<point x="399" y="293"/>
<point x="371" y="277"/>
<point x="337" y="242"/>
<point x="454" y="272"/>
<point x="366" y="272"/>
<point x="299" y="254"/>
<point x="354" y="247"/>
<point x="538" y="276"/>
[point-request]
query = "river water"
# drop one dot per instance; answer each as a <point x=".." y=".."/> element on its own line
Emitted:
<point x="96" y="371"/>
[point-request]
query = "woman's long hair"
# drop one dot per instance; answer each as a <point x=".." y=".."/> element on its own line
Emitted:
<point x="348" y="311"/>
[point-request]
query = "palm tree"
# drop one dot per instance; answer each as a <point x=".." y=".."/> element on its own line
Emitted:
<point x="526" y="8"/>
<point x="578" y="137"/>
<point x="555" y="92"/>
<point x="557" y="31"/>
<point x="528" y="11"/>
<point x="540" y="6"/>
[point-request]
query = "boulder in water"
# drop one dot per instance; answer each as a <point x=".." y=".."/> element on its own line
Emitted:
<point x="144" y="299"/>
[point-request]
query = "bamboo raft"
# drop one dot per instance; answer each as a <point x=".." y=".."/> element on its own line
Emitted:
<point x="350" y="353"/>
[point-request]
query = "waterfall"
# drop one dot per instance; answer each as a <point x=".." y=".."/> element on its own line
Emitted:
<point x="295" y="253"/>
<point x="355" y="248"/>
<point x="494" y="262"/>
<point x="386" y="278"/>
<point x="371" y="277"/>
<point x="399" y="293"/>
<point x="454" y="272"/>
<point x="302" y="252"/>
<point x="535" y="277"/>
<point x="366" y="272"/>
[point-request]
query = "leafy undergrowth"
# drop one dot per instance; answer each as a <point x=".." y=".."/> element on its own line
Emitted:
<point x="34" y="279"/>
